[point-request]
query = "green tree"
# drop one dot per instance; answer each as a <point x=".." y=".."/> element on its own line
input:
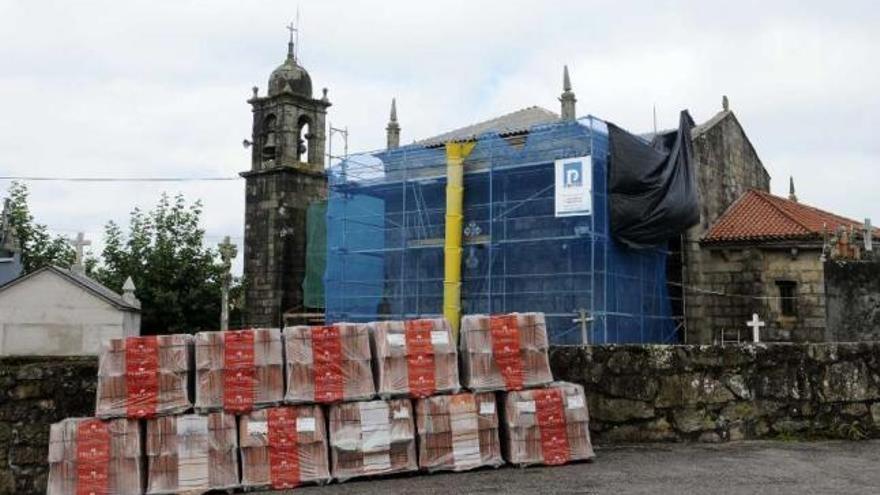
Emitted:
<point x="38" y="247"/>
<point x="177" y="277"/>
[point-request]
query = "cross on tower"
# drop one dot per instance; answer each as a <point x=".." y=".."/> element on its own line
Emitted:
<point x="78" y="244"/>
<point x="290" y="27"/>
<point x="755" y="325"/>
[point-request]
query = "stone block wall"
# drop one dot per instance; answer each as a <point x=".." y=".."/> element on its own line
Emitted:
<point x="727" y="165"/>
<point x="853" y="300"/>
<point x="742" y="281"/>
<point x="34" y="393"/>
<point x="715" y="394"/>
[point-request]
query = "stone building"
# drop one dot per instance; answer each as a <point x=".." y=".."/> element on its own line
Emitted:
<point x="286" y="175"/>
<point x="727" y="166"/>
<point x="55" y="311"/>
<point x="765" y="255"/>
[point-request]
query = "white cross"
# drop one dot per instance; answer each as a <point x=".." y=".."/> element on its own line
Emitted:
<point x="583" y="318"/>
<point x="756" y="325"/>
<point x="79" y="243"/>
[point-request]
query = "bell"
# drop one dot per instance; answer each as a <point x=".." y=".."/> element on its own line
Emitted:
<point x="270" y="140"/>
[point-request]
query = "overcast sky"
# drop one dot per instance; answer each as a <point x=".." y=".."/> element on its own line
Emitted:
<point x="148" y="89"/>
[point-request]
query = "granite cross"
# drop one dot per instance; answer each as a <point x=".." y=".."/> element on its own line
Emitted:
<point x="755" y="325"/>
<point x="583" y="318"/>
<point x="79" y="243"/>
<point x="228" y="251"/>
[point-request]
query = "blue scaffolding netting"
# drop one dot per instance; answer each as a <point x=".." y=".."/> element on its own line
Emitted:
<point x="385" y="238"/>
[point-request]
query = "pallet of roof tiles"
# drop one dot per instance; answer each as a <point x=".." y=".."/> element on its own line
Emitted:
<point x="238" y="371"/>
<point x="458" y="432"/>
<point x="372" y="438"/>
<point x="414" y="358"/>
<point x="504" y="352"/>
<point x="191" y="453"/>
<point x="547" y="426"/>
<point x="142" y="377"/>
<point x="327" y="364"/>
<point x="89" y="455"/>
<point x="283" y="447"/>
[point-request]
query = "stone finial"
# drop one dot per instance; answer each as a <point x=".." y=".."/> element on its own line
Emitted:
<point x="791" y="195"/>
<point x="725" y="103"/>
<point x="256" y="91"/>
<point x="392" y="130"/>
<point x="324" y="97"/>
<point x="128" y="289"/>
<point x="567" y="99"/>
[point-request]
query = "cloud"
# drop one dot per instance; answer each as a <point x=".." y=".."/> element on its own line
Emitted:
<point x="159" y="88"/>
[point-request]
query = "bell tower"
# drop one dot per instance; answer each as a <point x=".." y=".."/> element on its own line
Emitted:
<point x="286" y="175"/>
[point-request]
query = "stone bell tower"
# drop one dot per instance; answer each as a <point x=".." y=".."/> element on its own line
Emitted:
<point x="286" y="175"/>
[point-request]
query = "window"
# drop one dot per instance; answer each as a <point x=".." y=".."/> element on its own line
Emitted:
<point x="788" y="297"/>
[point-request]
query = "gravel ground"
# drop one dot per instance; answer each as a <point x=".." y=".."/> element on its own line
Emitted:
<point x="681" y="469"/>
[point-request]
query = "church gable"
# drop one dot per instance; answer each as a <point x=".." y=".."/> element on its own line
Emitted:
<point x="727" y="165"/>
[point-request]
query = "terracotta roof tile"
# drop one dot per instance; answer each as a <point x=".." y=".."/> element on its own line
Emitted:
<point x="759" y="216"/>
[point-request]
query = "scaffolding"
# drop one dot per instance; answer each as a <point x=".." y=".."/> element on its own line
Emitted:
<point x="385" y="239"/>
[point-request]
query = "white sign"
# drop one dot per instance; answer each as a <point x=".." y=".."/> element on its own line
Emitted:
<point x="305" y="424"/>
<point x="574" y="180"/>
<point x="439" y="338"/>
<point x="257" y="428"/>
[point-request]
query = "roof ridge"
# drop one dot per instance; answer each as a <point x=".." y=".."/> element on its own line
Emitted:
<point x="764" y="197"/>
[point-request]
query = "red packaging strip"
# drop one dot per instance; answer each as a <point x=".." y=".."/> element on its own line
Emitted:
<point x="506" y="349"/>
<point x="92" y="458"/>
<point x="142" y="376"/>
<point x="283" y="448"/>
<point x="550" y="414"/>
<point x="420" y="358"/>
<point x="239" y="373"/>
<point x="327" y="355"/>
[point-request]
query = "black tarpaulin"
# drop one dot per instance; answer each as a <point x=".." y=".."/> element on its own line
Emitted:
<point x="652" y="187"/>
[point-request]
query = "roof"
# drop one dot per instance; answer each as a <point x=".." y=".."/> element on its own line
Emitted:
<point x="511" y="123"/>
<point x="758" y="216"/>
<point x="84" y="282"/>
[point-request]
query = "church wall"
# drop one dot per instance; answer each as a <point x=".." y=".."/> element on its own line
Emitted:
<point x="727" y="166"/>
<point x="275" y="241"/>
<point x="75" y="322"/>
<point x="748" y="277"/>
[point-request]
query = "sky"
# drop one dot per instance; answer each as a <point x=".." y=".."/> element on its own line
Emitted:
<point x="159" y="88"/>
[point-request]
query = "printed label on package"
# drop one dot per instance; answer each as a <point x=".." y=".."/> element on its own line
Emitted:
<point x="551" y="422"/>
<point x="420" y="368"/>
<point x="141" y="376"/>
<point x="506" y="350"/>
<point x="327" y="355"/>
<point x="239" y="373"/>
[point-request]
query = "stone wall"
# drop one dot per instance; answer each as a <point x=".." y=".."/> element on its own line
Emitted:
<point x="853" y="300"/>
<point x="34" y="393"/>
<point x="727" y="165"/>
<point x="715" y="394"/>
<point x="748" y="279"/>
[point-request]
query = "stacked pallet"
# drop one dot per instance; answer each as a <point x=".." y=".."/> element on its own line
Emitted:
<point x="239" y="390"/>
<point x="142" y="377"/>
<point x="283" y="447"/>
<point x="88" y="455"/>
<point x="414" y="358"/>
<point x="238" y="371"/>
<point x="504" y="352"/>
<point x="547" y="425"/>
<point x="372" y="438"/>
<point x="458" y="432"/>
<point x="328" y="364"/>
<point x="191" y="453"/>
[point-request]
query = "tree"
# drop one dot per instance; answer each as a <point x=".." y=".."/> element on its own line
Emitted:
<point x="177" y="277"/>
<point x="38" y="247"/>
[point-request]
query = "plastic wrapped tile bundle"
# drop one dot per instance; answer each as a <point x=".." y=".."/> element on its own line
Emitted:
<point x="283" y="447"/>
<point x="240" y="370"/>
<point x="504" y="352"/>
<point x="372" y="438"/>
<point x="328" y="364"/>
<point x="191" y="453"/>
<point x="458" y="432"/>
<point x="415" y="358"/>
<point x="142" y="377"/>
<point x="548" y="425"/>
<point x="88" y="455"/>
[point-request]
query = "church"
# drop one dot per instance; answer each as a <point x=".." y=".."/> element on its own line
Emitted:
<point x="383" y="250"/>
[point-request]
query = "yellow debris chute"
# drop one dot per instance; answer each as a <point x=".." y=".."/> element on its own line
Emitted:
<point x="456" y="153"/>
